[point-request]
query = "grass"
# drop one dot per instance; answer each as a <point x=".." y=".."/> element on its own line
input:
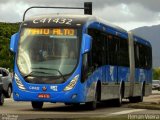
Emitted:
<point x="151" y="106"/>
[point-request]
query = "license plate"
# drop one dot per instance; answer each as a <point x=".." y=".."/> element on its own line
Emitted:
<point x="43" y="95"/>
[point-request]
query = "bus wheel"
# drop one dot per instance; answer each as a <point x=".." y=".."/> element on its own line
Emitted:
<point x="93" y="105"/>
<point x="137" y="98"/>
<point x="140" y="98"/>
<point x="132" y="99"/>
<point x="37" y="105"/>
<point x="1" y="99"/>
<point x="118" y="101"/>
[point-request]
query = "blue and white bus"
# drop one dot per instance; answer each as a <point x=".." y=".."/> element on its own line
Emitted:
<point x="77" y="59"/>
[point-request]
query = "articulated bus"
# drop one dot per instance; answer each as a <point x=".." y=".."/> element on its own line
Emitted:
<point x="77" y="59"/>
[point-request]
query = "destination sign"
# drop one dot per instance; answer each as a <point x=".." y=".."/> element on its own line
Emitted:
<point x="55" y="32"/>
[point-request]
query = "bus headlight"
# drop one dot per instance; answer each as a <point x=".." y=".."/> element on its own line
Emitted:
<point x="72" y="83"/>
<point x="19" y="83"/>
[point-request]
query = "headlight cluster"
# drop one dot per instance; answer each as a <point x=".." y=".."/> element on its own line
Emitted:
<point x="19" y="83"/>
<point x="72" y="83"/>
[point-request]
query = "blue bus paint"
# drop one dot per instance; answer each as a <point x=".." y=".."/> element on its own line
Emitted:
<point x="31" y="92"/>
<point x="108" y="29"/>
<point x="111" y="77"/>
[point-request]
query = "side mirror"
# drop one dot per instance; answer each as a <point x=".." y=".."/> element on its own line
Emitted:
<point x="13" y="42"/>
<point x="86" y="43"/>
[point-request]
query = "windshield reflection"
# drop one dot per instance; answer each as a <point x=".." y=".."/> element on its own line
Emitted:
<point x="54" y="52"/>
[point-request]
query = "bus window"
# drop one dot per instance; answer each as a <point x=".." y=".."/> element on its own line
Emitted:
<point x="52" y="51"/>
<point x="136" y="54"/>
<point x="123" y="53"/>
<point x="98" y="48"/>
<point x="143" y="56"/>
<point x="113" y="49"/>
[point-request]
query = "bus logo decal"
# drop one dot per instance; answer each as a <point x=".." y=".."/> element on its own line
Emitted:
<point x="44" y="88"/>
<point x="54" y="88"/>
<point x="33" y="88"/>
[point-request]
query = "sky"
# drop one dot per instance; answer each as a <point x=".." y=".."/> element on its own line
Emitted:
<point x="128" y="14"/>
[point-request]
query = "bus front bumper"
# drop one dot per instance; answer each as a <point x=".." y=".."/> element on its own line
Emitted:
<point x="64" y="96"/>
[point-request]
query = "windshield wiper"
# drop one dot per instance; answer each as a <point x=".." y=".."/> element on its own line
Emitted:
<point x="30" y="74"/>
<point x="52" y="69"/>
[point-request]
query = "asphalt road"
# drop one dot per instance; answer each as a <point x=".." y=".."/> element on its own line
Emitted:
<point x="23" y="110"/>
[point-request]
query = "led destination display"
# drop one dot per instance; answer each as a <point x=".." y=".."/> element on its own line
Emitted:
<point x="55" y="32"/>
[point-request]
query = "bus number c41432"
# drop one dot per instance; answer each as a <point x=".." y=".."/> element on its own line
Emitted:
<point x="66" y="21"/>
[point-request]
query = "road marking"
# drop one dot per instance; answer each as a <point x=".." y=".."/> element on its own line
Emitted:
<point x="127" y="111"/>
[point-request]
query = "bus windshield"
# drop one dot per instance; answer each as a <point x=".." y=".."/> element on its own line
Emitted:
<point x="46" y="52"/>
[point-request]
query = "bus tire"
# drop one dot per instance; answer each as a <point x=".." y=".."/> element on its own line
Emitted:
<point x="93" y="104"/>
<point x="132" y="99"/>
<point x="118" y="102"/>
<point x="37" y="105"/>
<point x="1" y="99"/>
<point x="140" y="98"/>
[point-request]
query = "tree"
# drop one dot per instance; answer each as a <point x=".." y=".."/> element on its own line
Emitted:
<point x="6" y="57"/>
<point x="156" y="74"/>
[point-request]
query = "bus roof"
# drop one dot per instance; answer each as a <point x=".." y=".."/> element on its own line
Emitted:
<point x="51" y="20"/>
<point x="68" y="20"/>
<point x="57" y="20"/>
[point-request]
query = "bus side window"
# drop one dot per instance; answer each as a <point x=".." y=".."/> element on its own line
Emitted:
<point x="136" y="54"/>
<point x="98" y="48"/>
<point x="97" y="57"/>
<point x="143" y="56"/>
<point x="113" y="50"/>
<point x="149" y="58"/>
<point x="123" y="53"/>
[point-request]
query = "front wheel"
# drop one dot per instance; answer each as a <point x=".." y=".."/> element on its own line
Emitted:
<point x="93" y="104"/>
<point x="1" y="99"/>
<point x="37" y="105"/>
